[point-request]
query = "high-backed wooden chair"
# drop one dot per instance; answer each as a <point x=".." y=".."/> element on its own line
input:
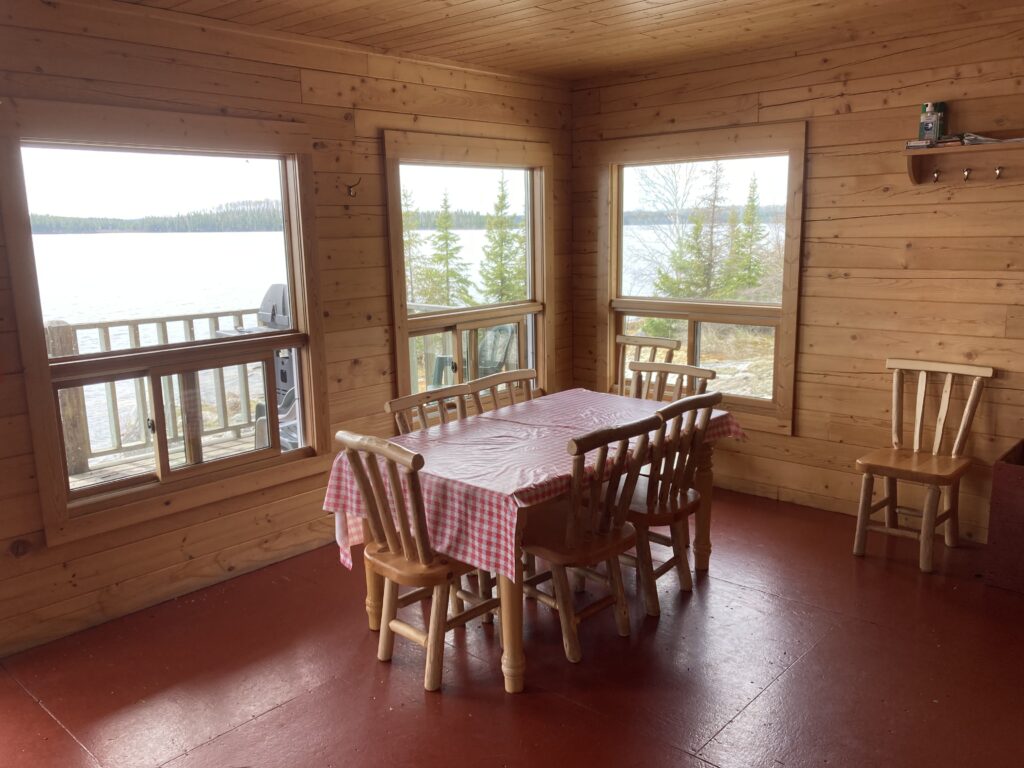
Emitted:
<point x="936" y="469"/>
<point x="506" y="388"/>
<point x="651" y="380"/>
<point x="424" y="409"/>
<point x="640" y="345"/>
<point x="400" y="551"/>
<point x="590" y="527"/>
<point x="667" y="497"/>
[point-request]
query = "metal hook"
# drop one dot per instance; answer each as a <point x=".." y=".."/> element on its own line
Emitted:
<point x="935" y="176"/>
<point x="999" y="172"/>
<point x="352" y="187"/>
<point x="967" y="173"/>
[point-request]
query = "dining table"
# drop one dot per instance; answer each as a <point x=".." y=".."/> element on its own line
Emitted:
<point x="484" y="473"/>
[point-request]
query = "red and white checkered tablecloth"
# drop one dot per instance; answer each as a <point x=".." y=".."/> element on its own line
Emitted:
<point x="479" y="471"/>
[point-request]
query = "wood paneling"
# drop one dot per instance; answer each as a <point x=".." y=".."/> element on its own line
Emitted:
<point x="574" y="39"/>
<point x="121" y="56"/>
<point x="888" y="269"/>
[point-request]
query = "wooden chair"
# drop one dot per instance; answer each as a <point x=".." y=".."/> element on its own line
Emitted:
<point x="640" y="344"/>
<point x="668" y="497"/>
<point x="504" y="388"/>
<point x="400" y="551"/>
<point x="590" y="527"/>
<point x="936" y="470"/>
<point x="650" y="380"/>
<point x="424" y="409"/>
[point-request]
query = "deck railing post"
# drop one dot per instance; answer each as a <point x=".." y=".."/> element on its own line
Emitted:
<point x="62" y="341"/>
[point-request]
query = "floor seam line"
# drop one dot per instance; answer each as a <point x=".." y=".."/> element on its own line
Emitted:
<point x="39" y="703"/>
<point x="760" y="693"/>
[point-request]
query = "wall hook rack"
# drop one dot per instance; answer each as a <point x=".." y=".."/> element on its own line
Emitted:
<point x="967" y="174"/>
<point x="935" y="176"/>
<point x="999" y="172"/>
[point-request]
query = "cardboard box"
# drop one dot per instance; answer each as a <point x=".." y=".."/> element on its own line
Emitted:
<point x="1006" y="522"/>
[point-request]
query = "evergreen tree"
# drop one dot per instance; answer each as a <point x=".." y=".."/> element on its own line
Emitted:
<point x="412" y="248"/>
<point x="444" y="279"/>
<point x="744" y="267"/>
<point x="503" y="271"/>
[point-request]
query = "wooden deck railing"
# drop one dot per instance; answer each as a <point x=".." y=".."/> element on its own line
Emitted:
<point x="64" y="339"/>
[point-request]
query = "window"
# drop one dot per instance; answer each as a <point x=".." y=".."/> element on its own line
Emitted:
<point x="705" y="246"/>
<point x="166" y="307"/>
<point x="469" y="241"/>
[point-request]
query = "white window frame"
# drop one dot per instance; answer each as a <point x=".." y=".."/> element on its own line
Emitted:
<point x="442" y="149"/>
<point x="68" y="516"/>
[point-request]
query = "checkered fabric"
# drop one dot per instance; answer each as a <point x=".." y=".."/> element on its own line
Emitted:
<point x="479" y="471"/>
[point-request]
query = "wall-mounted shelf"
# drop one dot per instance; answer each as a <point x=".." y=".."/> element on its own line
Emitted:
<point x="988" y="162"/>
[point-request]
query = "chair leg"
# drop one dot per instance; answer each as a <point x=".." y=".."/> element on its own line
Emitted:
<point x="530" y="567"/>
<point x="863" y="513"/>
<point x="931" y="509"/>
<point x="386" y="644"/>
<point x="953" y="521"/>
<point x="485" y="588"/>
<point x="457" y="604"/>
<point x="892" y="519"/>
<point x="619" y="593"/>
<point x="435" y="637"/>
<point x="680" y="543"/>
<point x="374" y="591"/>
<point x="566" y="613"/>
<point x="645" y="572"/>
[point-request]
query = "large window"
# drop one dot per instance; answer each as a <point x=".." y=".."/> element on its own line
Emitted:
<point x="468" y="247"/>
<point x="705" y="251"/>
<point x="167" y="288"/>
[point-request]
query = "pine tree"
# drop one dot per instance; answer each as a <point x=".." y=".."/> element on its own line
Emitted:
<point x="444" y="279"/>
<point x="503" y="271"/>
<point x="412" y="248"/>
<point x="744" y="267"/>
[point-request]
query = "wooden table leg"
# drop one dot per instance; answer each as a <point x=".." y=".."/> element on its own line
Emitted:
<point x="704" y="481"/>
<point x="513" y="660"/>
<point x="374" y="596"/>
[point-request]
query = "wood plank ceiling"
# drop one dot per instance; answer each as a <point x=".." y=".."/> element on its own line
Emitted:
<point x="574" y="39"/>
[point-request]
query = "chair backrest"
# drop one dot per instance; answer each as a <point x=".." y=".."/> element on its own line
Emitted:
<point x="650" y="345"/>
<point x="601" y="498"/>
<point x="650" y="380"/>
<point x="504" y="388"/>
<point x="424" y="409"/>
<point x="949" y="372"/>
<point x="397" y="522"/>
<point x="675" y="450"/>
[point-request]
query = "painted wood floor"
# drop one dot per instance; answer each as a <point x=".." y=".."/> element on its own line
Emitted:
<point x="791" y="653"/>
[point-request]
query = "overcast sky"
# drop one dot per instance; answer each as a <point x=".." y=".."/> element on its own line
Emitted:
<point x="469" y="189"/>
<point x="772" y="177"/>
<point x="129" y="185"/>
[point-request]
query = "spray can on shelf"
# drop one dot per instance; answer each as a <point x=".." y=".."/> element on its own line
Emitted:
<point x="933" y="121"/>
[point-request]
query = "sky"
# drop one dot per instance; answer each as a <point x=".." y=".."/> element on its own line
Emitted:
<point x="469" y="189"/>
<point x="130" y="185"/>
<point x="772" y="178"/>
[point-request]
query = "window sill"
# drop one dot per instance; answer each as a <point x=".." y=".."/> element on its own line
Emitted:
<point x="131" y="506"/>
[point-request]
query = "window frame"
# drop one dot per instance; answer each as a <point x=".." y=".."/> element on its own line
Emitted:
<point x="775" y="415"/>
<point x="69" y="516"/>
<point x="445" y="149"/>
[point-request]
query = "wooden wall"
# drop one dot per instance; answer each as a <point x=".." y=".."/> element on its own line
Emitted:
<point x="888" y="269"/>
<point x="105" y="54"/>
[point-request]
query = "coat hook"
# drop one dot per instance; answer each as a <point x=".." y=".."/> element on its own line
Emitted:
<point x="999" y="171"/>
<point x="352" y="187"/>
<point x="967" y="173"/>
<point x="935" y="176"/>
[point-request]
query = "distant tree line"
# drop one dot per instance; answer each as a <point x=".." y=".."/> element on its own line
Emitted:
<point x="654" y="218"/>
<point x="242" y="216"/>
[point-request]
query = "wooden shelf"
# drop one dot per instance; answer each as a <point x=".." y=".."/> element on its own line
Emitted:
<point x="922" y="162"/>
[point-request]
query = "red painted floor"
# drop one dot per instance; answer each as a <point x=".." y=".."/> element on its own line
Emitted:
<point x="791" y="653"/>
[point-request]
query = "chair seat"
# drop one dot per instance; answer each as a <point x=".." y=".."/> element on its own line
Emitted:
<point x="409" y="574"/>
<point x="904" y="464"/>
<point x="544" y="537"/>
<point x="640" y="515"/>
